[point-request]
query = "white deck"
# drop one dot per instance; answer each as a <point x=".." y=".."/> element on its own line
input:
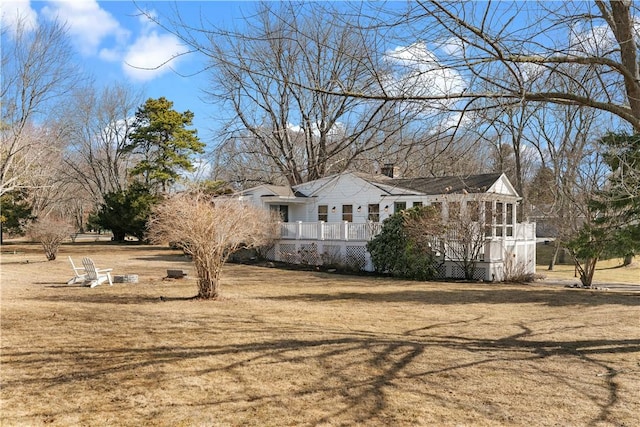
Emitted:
<point x="320" y="243"/>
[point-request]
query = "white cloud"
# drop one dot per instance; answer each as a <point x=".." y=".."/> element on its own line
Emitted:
<point x="88" y="23"/>
<point x="96" y="32"/>
<point x="420" y="73"/>
<point x="18" y="12"/>
<point x="152" y="55"/>
<point x="592" y="41"/>
<point x="453" y="47"/>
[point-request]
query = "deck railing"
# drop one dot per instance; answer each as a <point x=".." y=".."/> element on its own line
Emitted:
<point x="363" y="232"/>
<point x="349" y="231"/>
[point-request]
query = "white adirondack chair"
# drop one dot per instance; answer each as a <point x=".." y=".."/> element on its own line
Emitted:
<point x="95" y="276"/>
<point x="79" y="274"/>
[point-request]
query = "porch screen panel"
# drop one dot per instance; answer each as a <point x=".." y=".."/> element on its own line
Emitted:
<point x="374" y="213"/>
<point x="347" y="213"/>
<point x="454" y="210"/>
<point x="282" y="211"/>
<point x="499" y="218"/>
<point x="438" y="207"/>
<point x="509" y="219"/>
<point x="473" y="211"/>
<point x="323" y="213"/>
<point x="488" y="219"/>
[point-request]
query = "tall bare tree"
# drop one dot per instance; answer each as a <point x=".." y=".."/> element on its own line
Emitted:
<point x="101" y="119"/>
<point x="495" y="44"/>
<point x="38" y="71"/>
<point x="263" y="73"/>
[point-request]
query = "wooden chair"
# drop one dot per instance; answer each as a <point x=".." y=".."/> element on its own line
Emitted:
<point x="79" y="274"/>
<point x="95" y="276"/>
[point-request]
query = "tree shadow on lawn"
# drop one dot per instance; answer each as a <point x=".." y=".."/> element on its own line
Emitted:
<point x="111" y="298"/>
<point x="357" y="375"/>
<point x="119" y="293"/>
<point x="165" y="258"/>
<point x="453" y="296"/>
<point x="445" y="296"/>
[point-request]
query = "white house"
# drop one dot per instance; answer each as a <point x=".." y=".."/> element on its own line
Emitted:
<point x="330" y="220"/>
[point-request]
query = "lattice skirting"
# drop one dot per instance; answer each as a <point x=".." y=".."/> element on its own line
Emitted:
<point x="354" y="256"/>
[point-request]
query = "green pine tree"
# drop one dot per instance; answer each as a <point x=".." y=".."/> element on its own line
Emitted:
<point x="164" y="143"/>
<point x="615" y="228"/>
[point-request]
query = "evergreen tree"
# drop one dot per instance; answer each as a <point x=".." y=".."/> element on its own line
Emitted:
<point x="395" y="252"/>
<point x="620" y="201"/>
<point x="15" y="211"/>
<point x="126" y="212"/>
<point x="615" y="211"/>
<point x="164" y="143"/>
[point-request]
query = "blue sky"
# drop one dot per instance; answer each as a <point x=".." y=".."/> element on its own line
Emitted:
<point x="115" y="43"/>
<point x="111" y="39"/>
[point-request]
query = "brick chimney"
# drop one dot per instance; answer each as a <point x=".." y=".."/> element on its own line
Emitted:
<point x="390" y="170"/>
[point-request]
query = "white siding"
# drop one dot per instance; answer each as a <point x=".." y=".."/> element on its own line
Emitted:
<point x="502" y="186"/>
<point x="345" y="189"/>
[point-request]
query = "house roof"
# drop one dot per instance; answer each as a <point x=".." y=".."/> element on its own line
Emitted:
<point x="481" y="183"/>
<point x="446" y="184"/>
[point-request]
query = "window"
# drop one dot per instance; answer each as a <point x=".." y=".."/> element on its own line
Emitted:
<point x="399" y="206"/>
<point x="417" y="204"/>
<point x="347" y="213"/>
<point x="374" y="213"/>
<point x="323" y="213"/>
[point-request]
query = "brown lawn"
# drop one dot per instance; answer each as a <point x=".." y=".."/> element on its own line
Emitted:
<point x="293" y="348"/>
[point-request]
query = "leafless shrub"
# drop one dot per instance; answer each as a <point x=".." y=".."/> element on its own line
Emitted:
<point x="516" y="272"/>
<point x="50" y="233"/>
<point x="210" y="230"/>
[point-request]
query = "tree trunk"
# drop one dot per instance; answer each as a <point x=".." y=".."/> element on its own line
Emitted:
<point x="628" y="259"/>
<point x="208" y="288"/>
<point x="552" y="262"/>
<point x="586" y="274"/>
<point x="208" y="281"/>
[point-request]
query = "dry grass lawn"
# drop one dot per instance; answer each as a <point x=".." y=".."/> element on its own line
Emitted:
<point x="607" y="271"/>
<point x="293" y="348"/>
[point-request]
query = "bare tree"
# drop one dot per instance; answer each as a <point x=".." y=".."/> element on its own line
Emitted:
<point x="50" y="233"/>
<point x="37" y="73"/>
<point x="457" y="236"/>
<point x="240" y="162"/>
<point x="100" y="123"/>
<point x="495" y="44"/>
<point x="569" y="152"/>
<point x="265" y="76"/>
<point x="210" y="230"/>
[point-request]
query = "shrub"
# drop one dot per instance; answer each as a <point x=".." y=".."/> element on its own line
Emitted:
<point x="210" y="230"/>
<point x="50" y="233"/>
<point x="394" y="252"/>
